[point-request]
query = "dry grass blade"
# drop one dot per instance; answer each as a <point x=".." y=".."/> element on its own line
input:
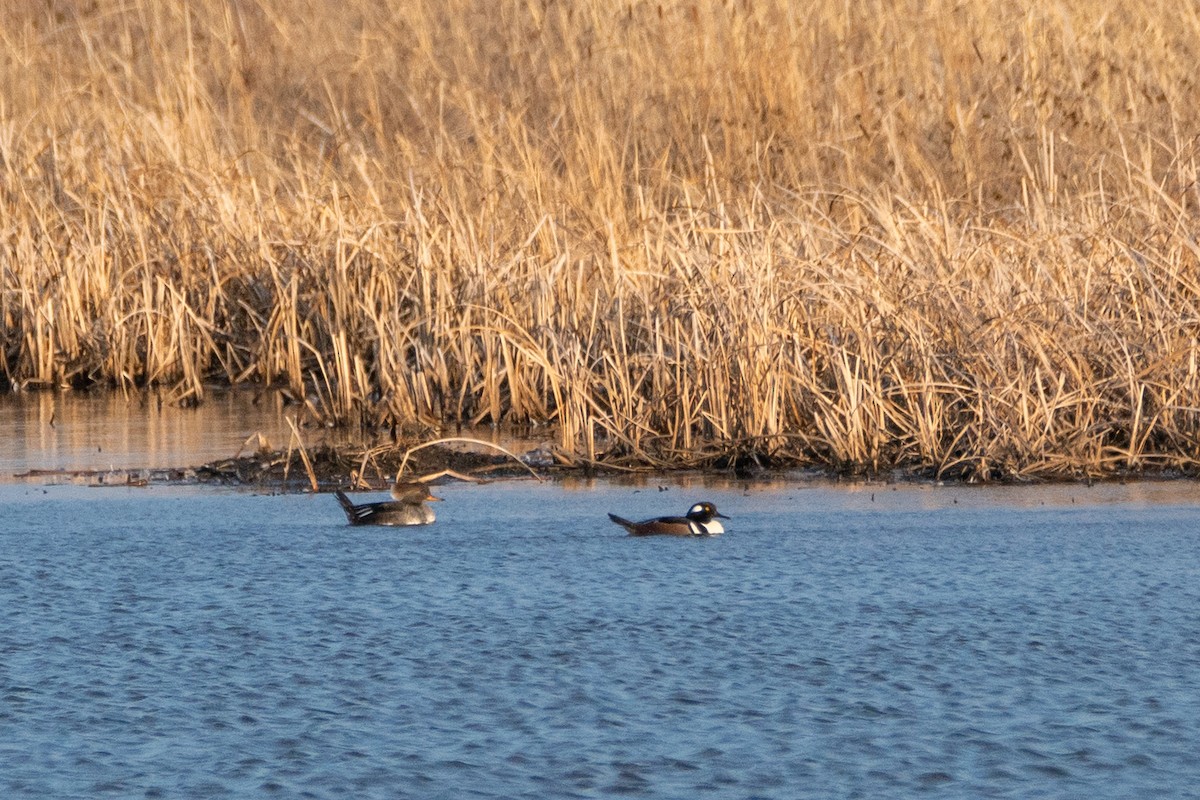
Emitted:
<point x="959" y="237"/>
<point x="308" y="467"/>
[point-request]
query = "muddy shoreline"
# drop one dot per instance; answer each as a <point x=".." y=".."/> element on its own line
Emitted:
<point x="322" y="469"/>
<point x="251" y="440"/>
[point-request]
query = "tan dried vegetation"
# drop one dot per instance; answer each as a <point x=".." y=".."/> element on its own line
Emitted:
<point x="958" y="236"/>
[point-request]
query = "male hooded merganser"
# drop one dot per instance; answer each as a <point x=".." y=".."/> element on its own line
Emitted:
<point x="701" y="520"/>
<point x="408" y="507"/>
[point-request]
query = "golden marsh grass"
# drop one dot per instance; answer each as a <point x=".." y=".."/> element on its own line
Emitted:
<point x="957" y="236"/>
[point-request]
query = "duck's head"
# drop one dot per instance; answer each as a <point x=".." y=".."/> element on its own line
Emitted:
<point x="703" y="512"/>
<point x="412" y="492"/>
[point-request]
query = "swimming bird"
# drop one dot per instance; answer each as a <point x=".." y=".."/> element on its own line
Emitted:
<point x="406" y="508"/>
<point x="700" y="520"/>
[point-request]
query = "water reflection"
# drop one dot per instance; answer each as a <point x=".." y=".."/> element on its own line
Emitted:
<point x="110" y="430"/>
<point x="96" y="431"/>
<point x="45" y="431"/>
<point x="822" y="494"/>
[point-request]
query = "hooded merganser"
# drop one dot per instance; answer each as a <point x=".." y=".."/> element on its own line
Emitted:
<point x="701" y="520"/>
<point x="408" y="507"/>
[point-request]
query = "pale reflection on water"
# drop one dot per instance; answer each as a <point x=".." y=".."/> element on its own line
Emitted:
<point x="96" y="431"/>
<point x="109" y="430"/>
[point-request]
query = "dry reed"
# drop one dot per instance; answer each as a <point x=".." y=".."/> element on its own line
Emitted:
<point x="957" y="236"/>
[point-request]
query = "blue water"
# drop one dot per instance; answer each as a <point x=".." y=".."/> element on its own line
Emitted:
<point x="864" y="642"/>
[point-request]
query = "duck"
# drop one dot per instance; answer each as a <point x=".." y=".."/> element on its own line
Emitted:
<point x="406" y="508"/>
<point x="700" y="520"/>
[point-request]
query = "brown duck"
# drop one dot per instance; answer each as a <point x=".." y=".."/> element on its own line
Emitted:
<point x="406" y="508"/>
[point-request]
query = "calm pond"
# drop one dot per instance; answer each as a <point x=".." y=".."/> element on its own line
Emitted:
<point x="839" y="641"/>
<point x="112" y="431"/>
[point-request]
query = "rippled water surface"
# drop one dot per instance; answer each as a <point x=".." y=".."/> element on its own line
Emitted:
<point x="862" y="642"/>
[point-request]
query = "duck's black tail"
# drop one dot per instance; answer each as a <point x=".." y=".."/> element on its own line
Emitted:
<point x="624" y="523"/>
<point x="348" y="507"/>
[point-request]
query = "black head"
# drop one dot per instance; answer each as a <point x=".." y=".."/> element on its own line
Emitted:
<point x="703" y="512"/>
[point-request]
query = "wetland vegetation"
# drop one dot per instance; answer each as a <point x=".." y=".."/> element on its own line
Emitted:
<point x="952" y="237"/>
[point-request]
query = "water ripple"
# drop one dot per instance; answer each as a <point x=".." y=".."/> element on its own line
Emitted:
<point x="166" y="644"/>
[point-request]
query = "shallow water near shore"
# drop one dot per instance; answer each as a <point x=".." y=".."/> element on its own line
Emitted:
<point x="107" y="437"/>
<point x="862" y="641"/>
<point x="105" y="430"/>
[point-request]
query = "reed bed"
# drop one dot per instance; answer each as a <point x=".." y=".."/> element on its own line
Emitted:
<point x="958" y="237"/>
